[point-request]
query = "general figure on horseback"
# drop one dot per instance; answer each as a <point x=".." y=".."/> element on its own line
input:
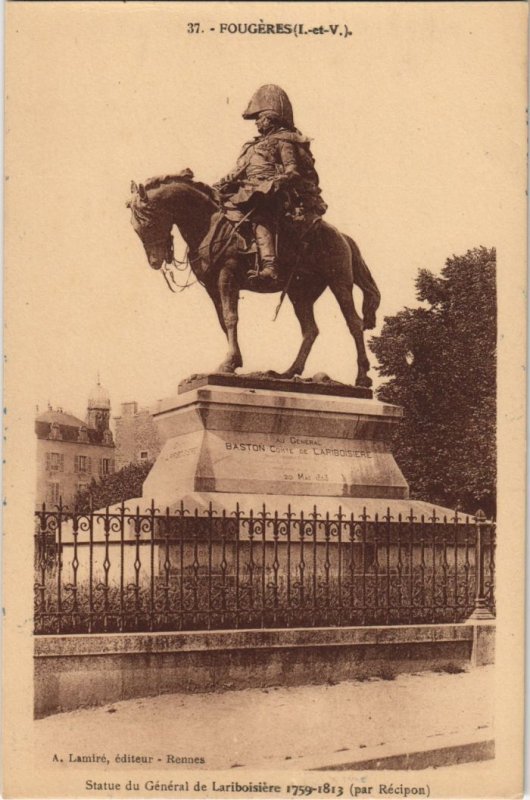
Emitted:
<point x="274" y="179"/>
<point x="274" y="188"/>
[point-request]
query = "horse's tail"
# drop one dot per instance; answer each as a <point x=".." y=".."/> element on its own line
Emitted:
<point x="362" y="277"/>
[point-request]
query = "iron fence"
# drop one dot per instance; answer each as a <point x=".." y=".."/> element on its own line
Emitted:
<point x="123" y="570"/>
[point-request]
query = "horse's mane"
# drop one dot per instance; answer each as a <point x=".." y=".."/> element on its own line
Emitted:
<point x="185" y="176"/>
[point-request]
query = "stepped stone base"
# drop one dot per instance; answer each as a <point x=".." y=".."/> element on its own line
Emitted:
<point x="247" y="438"/>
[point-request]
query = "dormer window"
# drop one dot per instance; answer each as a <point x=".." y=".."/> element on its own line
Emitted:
<point x="83" y="434"/>
<point x="55" y="431"/>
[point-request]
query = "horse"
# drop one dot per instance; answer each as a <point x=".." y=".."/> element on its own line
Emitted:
<point x="330" y="259"/>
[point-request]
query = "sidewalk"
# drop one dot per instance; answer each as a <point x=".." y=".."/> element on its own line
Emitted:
<point x="331" y="726"/>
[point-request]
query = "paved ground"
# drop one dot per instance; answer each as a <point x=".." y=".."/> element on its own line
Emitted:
<point x="307" y="726"/>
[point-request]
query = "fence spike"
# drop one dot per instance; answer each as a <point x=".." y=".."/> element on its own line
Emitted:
<point x="309" y="560"/>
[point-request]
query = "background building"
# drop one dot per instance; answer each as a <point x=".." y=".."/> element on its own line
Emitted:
<point x="136" y="435"/>
<point x="70" y="451"/>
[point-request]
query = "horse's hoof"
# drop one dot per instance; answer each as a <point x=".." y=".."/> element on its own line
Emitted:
<point x="364" y="382"/>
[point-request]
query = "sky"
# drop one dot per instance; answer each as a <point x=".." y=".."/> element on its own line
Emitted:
<point x="410" y="123"/>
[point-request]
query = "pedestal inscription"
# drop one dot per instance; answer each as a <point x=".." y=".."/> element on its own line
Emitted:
<point x="266" y="442"/>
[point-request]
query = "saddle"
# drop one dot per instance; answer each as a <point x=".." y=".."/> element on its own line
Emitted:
<point x="225" y="234"/>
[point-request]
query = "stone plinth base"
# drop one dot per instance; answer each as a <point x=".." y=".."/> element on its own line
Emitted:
<point x="258" y="441"/>
<point x="322" y="385"/>
<point x="483" y="641"/>
<point x="75" y="671"/>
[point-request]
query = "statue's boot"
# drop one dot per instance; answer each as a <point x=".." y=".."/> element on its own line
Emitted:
<point x="270" y="270"/>
<point x="267" y="253"/>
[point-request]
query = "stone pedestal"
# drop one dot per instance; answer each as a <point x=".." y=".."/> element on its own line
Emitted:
<point x="288" y="441"/>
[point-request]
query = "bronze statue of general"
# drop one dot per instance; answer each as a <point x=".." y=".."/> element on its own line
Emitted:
<point x="274" y="177"/>
<point x="259" y="229"/>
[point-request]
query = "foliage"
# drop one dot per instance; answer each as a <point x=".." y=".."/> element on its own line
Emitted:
<point x="441" y="363"/>
<point x="121" y="485"/>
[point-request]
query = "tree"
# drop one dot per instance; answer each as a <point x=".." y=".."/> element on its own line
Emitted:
<point x="441" y="362"/>
<point x="121" y="485"/>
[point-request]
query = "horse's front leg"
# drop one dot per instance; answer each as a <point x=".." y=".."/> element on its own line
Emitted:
<point x="229" y="297"/>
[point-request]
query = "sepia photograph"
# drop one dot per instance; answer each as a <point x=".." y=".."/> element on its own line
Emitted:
<point x="265" y="313"/>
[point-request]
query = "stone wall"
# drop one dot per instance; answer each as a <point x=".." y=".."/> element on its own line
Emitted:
<point x="136" y="435"/>
<point x="82" y="670"/>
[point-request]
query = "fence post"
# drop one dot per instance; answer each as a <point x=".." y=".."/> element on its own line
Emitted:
<point x="480" y="610"/>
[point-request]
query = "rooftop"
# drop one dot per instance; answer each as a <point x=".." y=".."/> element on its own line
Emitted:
<point x="68" y="428"/>
<point x="60" y="417"/>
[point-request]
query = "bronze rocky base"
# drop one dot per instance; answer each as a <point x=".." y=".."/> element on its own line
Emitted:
<point x="318" y="384"/>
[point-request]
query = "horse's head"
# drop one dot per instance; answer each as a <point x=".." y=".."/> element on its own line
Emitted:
<point x="153" y="222"/>
<point x="167" y="200"/>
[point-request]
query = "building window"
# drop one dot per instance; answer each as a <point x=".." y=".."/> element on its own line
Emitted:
<point x="53" y="493"/>
<point x="55" y="462"/>
<point x="82" y="435"/>
<point x="83" y="464"/>
<point x="105" y="466"/>
<point x="55" y="431"/>
<point x="144" y="455"/>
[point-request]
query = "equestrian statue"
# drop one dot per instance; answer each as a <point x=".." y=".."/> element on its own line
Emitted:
<point x="260" y="228"/>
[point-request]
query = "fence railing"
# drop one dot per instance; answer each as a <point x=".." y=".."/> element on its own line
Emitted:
<point x="123" y="570"/>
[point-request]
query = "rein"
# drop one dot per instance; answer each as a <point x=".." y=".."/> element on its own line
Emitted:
<point x="171" y="267"/>
<point x="186" y="263"/>
<point x="179" y="266"/>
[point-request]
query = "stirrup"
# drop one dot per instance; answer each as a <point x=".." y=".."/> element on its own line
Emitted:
<point x="269" y="272"/>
